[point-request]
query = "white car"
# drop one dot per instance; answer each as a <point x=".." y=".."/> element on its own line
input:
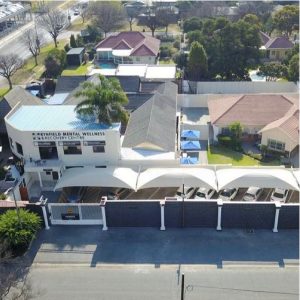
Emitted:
<point x="204" y="193"/>
<point x="279" y="195"/>
<point x="228" y="194"/>
<point x="252" y="193"/>
<point x="188" y="191"/>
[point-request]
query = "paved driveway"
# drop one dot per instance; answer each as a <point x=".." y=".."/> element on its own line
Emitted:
<point x="91" y="246"/>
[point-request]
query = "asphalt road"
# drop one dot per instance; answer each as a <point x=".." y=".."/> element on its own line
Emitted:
<point x="143" y="283"/>
<point x="13" y="44"/>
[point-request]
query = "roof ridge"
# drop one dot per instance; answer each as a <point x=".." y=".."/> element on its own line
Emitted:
<point x="230" y="107"/>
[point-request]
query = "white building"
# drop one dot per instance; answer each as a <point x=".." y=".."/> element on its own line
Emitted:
<point x="52" y="138"/>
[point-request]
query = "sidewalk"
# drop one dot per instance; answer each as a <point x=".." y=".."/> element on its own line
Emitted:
<point x="90" y="246"/>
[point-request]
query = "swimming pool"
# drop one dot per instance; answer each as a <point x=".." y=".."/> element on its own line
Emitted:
<point x="106" y="65"/>
<point x="254" y="77"/>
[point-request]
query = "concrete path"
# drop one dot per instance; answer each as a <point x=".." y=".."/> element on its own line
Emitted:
<point x="90" y="246"/>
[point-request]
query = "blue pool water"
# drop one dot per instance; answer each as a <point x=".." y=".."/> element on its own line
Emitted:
<point x="254" y="77"/>
<point x="106" y="65"/>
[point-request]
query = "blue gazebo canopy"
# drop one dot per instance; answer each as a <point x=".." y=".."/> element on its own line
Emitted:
<point x="190" y="134"/>
<point x="190" y="145"/>
<point x="188" y="160"/>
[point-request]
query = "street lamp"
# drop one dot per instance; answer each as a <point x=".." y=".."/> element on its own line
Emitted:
<point x="16" y="204"/>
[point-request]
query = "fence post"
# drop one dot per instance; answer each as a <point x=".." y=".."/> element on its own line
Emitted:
<point x="162" y="215"/>
<point x="43" y="205"/>
<point x="102" y="204"/>
<point x="220" y="204"/>
<point x="278" y="206"/>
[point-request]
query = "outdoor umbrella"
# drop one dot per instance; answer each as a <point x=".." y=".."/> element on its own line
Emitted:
<point x="190" y="145"/>
<point x="190" y="134"/>
<point x="188" y="160"/>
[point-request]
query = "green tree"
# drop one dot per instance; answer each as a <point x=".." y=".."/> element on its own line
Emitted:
<point x="236" y="130"/>
<point x="104" y="100"/>
<point x="293" y="71"/>
<point x="195" y="36"/>
<point x="287" y="19"/>
<point x="273" y="71"/>
<point x="197" y="63"/>
<point x="180" y="60"/>
<point x="253" y="20"/>
<point x="15" y="235"/>
<point x="55" y="62"/>
<point x="72" y="41"/>
<point x="192" y="24"/>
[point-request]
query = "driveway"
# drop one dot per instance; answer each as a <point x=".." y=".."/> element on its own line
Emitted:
<point x="91" y="246"/>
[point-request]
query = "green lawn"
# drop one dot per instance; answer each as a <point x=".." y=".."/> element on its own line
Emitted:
<point x="3" y="91"/>
<point x="73" y="71"/>
<point x="30" y="71"/>
<point x="222" y="155"/>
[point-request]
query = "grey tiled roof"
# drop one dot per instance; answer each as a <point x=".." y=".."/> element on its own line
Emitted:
<point x="281" y="42"/>
<point x="153" y="125"/>
<point x="66" y="84"/>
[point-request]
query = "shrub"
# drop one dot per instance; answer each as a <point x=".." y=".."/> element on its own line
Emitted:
<point x="55" y="62"/>
<point x="19" y="236"/>
<point x="2" y="173"/>
<point x="225" y="140"/>
<point x="166" y="51"/>
<point x="176" y="44"/>
<point x="3" y="196"/>
<point x="67" y="47"/>
<point x="166" y="38"/>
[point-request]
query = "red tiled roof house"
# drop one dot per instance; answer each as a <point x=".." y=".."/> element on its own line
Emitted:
<point x="129" y="47"/>
<point x="273" y="117"/>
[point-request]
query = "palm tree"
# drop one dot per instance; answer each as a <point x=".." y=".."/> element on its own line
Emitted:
<point x="104" y="100"/>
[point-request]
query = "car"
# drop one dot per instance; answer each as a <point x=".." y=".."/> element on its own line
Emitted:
<point x="279" y="195"/>
<point x="188" y="192"/>
<point x="113" y="196"/>
<point x="76" y="12"/>
<point x="204" y="193"/>
<point x="228" y="194"/>
<point x="75" y="195"/>
<point x="252" y="194"/>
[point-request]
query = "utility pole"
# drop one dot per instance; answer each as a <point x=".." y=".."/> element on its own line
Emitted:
<point x="182" y="287"/>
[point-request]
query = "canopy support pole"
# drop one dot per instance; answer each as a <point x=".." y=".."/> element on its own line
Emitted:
<point x="162" y="215"/>
<point x="278" y="206"/>
<point x="219" y="224"/>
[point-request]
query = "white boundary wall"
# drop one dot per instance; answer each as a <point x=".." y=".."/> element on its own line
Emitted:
<point x="245" y="87"/>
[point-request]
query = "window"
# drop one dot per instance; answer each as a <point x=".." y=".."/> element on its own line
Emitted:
<point x="11" y="143"/>
<point x="98" y="149"/>
<point x="273" y="52"/>
<point x="276" y="145"/>
<point x="71" y="147"/>
<point x="19" y="148"/>
<point x="137" y="59"/>
<point x="98" y="146"/>
<point x="72" y="150"/>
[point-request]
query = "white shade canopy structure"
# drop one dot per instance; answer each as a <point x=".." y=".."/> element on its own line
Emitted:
<point x="297" y="175"/>
<point x="105" y="177"/>
<point x="175" y="177"/>
<point x="258" y="177"/>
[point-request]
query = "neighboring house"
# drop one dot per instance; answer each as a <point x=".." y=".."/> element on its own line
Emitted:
<point x="11" y="99"/>
<point x="283" y="134"/>
<point x="269" y="117"/>
<point x="276" y="48"/>
<point x="129" y="47"/>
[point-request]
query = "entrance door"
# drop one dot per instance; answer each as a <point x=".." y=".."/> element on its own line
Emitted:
<point x="55" y="175"/>
<point x="23" y="193"/>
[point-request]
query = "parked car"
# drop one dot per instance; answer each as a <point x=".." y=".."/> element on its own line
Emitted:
<point x="252" y="194"/>
<point x="204" y="193"/>
<point x="228" y="194"/>
<point x="279" y="195"/>
<point x="188" y="192"/>
<point x="75" y="195"/>
<point x="76" y="12"/>
<point x="113" y="196"/>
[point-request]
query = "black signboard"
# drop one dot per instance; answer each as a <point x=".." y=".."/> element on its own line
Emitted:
<point x="74" y="143"/>
<point x="70" y="216"/>
<point x="45" y="144"/>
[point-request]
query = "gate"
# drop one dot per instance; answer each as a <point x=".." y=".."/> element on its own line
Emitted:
<point x="75" y="214"/>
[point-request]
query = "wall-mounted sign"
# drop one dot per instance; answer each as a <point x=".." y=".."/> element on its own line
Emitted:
<point x="65" y="136"/>
<point x="94" y="143"/>
<point x="70" y="216"/>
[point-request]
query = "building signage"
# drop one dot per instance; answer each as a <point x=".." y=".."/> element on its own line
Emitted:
<point x="94" y="143"/>
<point x="66" y="136"/>
<point x="70" y="216"/>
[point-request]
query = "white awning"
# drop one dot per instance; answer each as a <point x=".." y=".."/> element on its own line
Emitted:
<point x="175" y="177"/>
<point x="122" y="52"/>
<point x="297" y="175"/>
<point x="259" y="177"/>
<point x="105" y="177"/>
